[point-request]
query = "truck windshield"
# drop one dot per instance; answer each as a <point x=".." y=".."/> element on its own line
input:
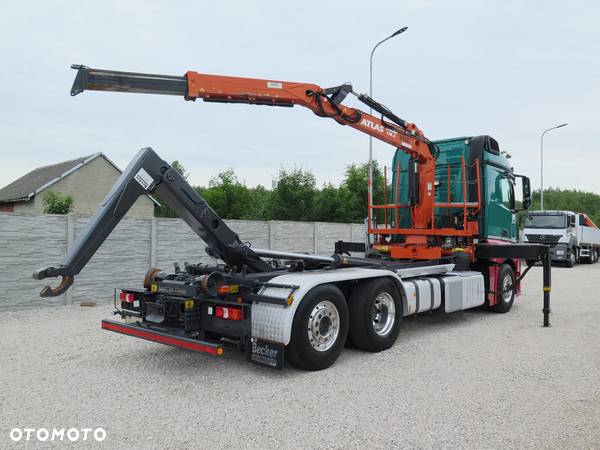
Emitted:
<point x="539" y="221"/>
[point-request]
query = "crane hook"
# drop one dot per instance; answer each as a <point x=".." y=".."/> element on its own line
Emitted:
<point x="49" y="291"/>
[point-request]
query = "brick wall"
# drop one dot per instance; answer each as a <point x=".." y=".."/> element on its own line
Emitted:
<point x="31" y="241"/>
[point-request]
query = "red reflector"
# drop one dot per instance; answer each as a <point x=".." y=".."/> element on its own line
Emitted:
<point x="127" y="297"/>
<point x="162" y="338"/>
<point x="229" y="313"/>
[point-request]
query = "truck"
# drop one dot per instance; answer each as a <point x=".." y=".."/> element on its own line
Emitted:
<point x="445" y="241"/>
<point x="572" y="237"/>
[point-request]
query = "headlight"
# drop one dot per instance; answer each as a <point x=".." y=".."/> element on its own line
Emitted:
<point x="560" y="252"/>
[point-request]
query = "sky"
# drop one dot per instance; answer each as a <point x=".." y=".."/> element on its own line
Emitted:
<point x="509" y="69"/>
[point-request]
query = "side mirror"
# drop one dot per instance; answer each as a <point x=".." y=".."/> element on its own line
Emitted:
<point x="526" y="191"/>
<point x="572" y="221"/>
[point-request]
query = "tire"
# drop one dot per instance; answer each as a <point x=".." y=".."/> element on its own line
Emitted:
<point x="319" y="329"/>
<point x="506" y="282"/>
<point x="593" y="256"/>
<point x="572" y="258"/>
<point x="375" y="315"/>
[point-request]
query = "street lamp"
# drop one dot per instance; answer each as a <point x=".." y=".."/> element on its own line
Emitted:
<point x="542" y="162"/>
<point x="400" y="31"/>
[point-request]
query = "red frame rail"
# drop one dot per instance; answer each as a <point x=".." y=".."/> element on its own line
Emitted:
<point x="163" y="338"/>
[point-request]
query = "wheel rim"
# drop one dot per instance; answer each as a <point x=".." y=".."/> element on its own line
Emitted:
<point x="323" y="326"/>
<point x="573" y="257"/>
<point x="507" y="288"/>
<point x="383" y="313"/>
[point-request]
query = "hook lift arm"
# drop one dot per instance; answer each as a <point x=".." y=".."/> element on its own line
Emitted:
<point x="146" y="174"/>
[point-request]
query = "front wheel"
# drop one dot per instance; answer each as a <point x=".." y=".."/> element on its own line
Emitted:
<point x="375" y="314"/>
<point x="572" y="258"/>
<point x="319" y="329"/>
<point x="505" y="289"/>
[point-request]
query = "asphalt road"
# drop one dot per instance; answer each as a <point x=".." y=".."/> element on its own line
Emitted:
<point x="474" y="379"/>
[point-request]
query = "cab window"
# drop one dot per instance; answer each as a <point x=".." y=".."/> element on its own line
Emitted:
<point x="507" y="192"/>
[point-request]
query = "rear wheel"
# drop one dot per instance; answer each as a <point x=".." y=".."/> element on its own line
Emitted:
<point x="375" y="314"/>
<point x="592" y="258"/>
<point x="319" y="329"/>
<point x="505" y="289"/>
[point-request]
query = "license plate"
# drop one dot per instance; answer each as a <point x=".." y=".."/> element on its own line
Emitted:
<point x="266" y="353"/>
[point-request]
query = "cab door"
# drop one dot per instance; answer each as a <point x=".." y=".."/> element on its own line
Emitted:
<point x="500" y="220"/>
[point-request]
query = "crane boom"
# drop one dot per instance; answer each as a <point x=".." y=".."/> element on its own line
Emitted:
<point x="324" y="102"/>
<point x="227" y="89"/>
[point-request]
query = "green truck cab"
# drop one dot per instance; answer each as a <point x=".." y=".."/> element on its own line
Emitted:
<point x="486" y="177"/>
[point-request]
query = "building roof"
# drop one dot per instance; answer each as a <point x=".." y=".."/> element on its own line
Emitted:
<point x="26" y="187"/>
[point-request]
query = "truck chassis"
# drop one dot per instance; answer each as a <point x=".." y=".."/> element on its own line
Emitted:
<point x="270" y="303"/>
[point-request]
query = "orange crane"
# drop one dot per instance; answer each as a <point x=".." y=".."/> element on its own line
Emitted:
<point x="324" y="102"/>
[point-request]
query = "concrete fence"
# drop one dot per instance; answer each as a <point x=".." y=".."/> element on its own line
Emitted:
<point x="30" y="242"/>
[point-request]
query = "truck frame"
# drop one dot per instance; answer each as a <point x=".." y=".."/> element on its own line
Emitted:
<point x="305" y="307"/>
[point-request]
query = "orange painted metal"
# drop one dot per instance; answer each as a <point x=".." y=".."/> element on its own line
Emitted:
<point x="385" y="210"/>
<point x="478" y="184"/>
<point x="415" y="252"/>
<point x="409" y="139"/>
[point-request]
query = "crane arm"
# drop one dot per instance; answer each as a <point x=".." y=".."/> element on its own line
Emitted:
<point x="226" y="89"/>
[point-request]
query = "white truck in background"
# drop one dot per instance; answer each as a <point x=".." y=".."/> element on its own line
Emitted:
<point x="572" y="237"/>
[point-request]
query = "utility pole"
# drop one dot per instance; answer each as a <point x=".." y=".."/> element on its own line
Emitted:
<point x="542" y="163"/>
<point x="370" y="187"/>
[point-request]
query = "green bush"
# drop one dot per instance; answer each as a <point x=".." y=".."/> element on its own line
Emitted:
<point x="57" y="203"/>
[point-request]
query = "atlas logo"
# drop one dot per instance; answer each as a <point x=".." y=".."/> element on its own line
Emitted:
<point x="372" y="125"/>
<point x="377" y="127"/>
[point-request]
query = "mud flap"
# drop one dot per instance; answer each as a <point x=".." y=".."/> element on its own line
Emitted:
<point x="266" y="353"/>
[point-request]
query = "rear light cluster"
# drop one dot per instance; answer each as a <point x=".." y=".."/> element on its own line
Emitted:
<point x="227" y="312"/>
<point x="129" y="300"/>
<point x="127" y="297"/>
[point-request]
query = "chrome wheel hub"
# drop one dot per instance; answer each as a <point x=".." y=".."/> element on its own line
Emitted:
<point x="507" y="288"/>
<point x="383" y="314"/>
<point x="323" y="326"/>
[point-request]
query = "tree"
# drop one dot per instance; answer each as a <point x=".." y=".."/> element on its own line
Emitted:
<point x="228" y="196"/>
<point x="258" y="207"/>
<point x="57" y="203"/>
<point x="356" y="184"/>
<point x="330" y="204"/>
<point x="293" y="196"/>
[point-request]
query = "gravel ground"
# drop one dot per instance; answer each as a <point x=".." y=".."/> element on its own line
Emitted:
<point x="474" y="379"/>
